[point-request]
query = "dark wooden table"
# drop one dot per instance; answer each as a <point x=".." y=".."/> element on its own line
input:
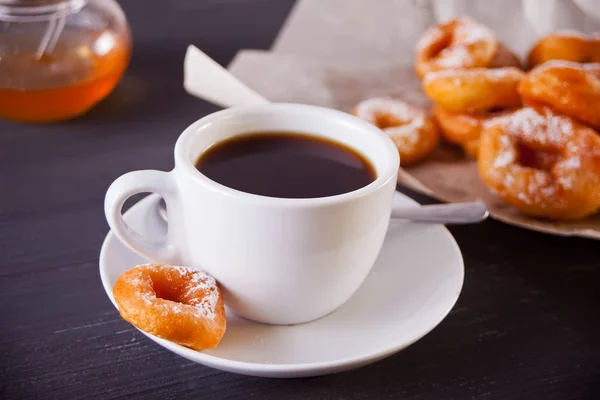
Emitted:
<point x="527" y="325"/>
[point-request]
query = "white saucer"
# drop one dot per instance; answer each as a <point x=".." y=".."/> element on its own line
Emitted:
<point x="412" y="287"/>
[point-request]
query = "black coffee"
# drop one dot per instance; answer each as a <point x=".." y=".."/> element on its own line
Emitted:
<point x="288" y="165"/>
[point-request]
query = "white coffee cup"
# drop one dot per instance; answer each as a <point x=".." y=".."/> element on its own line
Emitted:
<point x="279" y="261"/>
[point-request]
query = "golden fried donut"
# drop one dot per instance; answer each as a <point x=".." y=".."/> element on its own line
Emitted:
<point x="568" y="46"/>
<point x="179" y="304"/>
<point x="414" y="132"/>
<point x="544" y="164"/>
<point x="459" y="43"/>
<point x="464" y="129"/>
<point x="474" y="90"/>
<point x="567" y="88"/>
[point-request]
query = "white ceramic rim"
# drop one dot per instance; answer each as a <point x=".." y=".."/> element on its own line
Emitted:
<point x="315" y="368"/>
<point x="389" y="173"/>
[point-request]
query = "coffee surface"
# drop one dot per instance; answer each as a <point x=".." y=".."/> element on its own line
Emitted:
<point x="286" y="165"/>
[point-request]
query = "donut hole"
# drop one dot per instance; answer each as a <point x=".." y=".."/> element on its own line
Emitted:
<point x="495" y="112"/>
<point x="387" y="120"/>
<point x="167" y="290"/>
<point x="440" y="45"/>
<point x="534" y="158"/>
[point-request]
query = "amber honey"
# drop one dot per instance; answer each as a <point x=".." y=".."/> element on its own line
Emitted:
<point x="64" y="84"/>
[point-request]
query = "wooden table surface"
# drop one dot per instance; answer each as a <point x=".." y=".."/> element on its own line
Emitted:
<point x="526" y="326"/>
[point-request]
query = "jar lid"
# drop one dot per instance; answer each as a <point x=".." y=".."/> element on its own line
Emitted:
<point x="37" y="10"/>
<point x="31" y="3"/>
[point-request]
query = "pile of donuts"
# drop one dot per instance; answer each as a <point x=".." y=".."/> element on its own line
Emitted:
<point x="470" y="76"/>
<point x="179" y="304"/>
<point x="534" y="134"/>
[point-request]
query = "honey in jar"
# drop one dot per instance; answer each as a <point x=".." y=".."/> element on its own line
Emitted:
<point x="59" y="58"/>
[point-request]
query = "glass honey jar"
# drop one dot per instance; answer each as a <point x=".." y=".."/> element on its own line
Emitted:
<point x="58" y="58"/>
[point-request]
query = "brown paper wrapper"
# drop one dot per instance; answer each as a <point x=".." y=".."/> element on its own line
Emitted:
<point x="446" y="175"/>
<point x="352" y="31"/>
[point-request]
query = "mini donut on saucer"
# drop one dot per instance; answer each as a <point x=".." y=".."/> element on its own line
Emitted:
<point x="179" y="304"/>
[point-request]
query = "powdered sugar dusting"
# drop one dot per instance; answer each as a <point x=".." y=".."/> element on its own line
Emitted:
<point x="509" y="180"/>
<point x="143" y="282"/>
<point x="507" y="155"/>
<point x="545" y="128"/>
<point x="455" y="57"/>
<point x="200" y="288"/>
<point x="523" y="197"/>
<point x="501" y="74"/>
<point x="443" y="74"/>
<point x="372" y="109"/>
<point x="553" y="65"/>
<point x="469" y="32"/>
<point x="556" y="64"/>
<point x="593" y="68"/>
<point x="568" y="167"/>
<point x="408" y="134"/>
<point x="202" y="291"/>
<point x="466" y="34"/>
<point x="403" y="121"/>
<point x="533" y="187"/>
<point x="462" y="30"/>
<point x="458" y="74"/>
<point x="572" y="163"/>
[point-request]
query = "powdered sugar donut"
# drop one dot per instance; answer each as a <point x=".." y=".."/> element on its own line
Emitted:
<point x="412" y="130"/>
<point x="179" y="304"/>
<point x="543" y="164"/>
<point x="459" y="43"/>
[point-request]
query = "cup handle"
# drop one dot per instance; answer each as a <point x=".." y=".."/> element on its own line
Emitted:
<point x="162" y="183"/>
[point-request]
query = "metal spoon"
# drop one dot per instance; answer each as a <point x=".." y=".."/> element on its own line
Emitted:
<point x="455" y="213"/>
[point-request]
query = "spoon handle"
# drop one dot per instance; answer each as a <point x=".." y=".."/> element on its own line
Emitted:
<point x="456" y="213"/>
